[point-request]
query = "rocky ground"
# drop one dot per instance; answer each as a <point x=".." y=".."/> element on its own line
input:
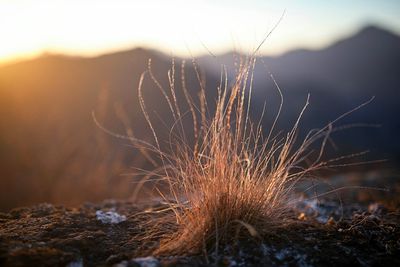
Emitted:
<point x="324" y="233"/>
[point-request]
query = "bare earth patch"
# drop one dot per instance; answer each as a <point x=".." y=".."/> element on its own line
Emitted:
<point x="48" y="235"/>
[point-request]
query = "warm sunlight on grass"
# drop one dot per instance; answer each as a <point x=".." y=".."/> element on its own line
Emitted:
<point x="232" y="179"/>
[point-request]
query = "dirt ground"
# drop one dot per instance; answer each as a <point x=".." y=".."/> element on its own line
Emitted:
<point x="324" y="232"/>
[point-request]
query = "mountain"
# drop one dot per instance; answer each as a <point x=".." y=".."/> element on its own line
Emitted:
<point x="344" y="75"/>
<point x="50" y="146"/>
<point x="51" y="149"/>
<point x="338" y="78"/>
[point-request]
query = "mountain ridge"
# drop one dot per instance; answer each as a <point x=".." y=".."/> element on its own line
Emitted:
<point x="51" y="149"/>
<point x="369" y="30"/>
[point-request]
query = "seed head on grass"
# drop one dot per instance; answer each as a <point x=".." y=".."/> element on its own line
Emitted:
<point x="232" y="179"/>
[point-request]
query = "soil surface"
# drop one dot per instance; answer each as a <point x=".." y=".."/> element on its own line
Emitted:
<point x="361" y="228"/>
<point x="323" y="233"/>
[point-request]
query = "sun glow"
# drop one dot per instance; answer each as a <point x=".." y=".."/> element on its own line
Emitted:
<point x="90" y="28"/>
<point x="28" y="27"/>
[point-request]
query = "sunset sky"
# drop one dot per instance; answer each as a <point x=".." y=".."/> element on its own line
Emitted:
<point x="31" y="27"/>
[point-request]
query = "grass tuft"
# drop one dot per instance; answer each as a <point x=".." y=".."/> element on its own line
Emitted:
<point x="232" y="180"/>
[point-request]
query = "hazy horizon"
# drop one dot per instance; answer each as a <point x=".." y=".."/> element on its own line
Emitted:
<point x="93" y="28"/>
<point x="200" y="54"/>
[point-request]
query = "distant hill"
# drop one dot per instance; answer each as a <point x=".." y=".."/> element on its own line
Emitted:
<point x="344" y="75"/>
<point x="338" y="78"/>
<point x="51" y="150"/>
<point x="50" y="147"/>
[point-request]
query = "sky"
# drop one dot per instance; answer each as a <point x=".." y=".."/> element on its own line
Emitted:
<point x="182" y="27"/>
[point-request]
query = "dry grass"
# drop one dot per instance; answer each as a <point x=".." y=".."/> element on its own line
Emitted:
<point x="232" y="180"/>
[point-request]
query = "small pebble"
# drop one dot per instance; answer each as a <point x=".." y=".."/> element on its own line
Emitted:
<point x="331" y="221"/>
<point x="147" y="262"/>
<point x="110" y="217"/>
<point x="302" y="217"/>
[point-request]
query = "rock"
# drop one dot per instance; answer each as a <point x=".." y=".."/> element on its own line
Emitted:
<point x="110" y="217"/>
<point x="147" y="262"/>
<point x="376" y="208"/>
<point x="77" y="263"/>
<point x="331" y="221"/>
<point x="47" y="235"/>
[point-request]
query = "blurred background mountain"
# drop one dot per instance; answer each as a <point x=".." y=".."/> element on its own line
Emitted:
<point x="51" y="149"/>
